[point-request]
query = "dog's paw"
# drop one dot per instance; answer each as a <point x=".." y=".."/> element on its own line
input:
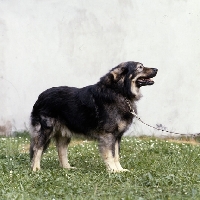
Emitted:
<point x="35" y="168"/>
<point x="69" y="167"/>
<point x="124" y="170"/>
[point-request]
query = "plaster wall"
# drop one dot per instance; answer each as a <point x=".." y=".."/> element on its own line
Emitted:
<point x="56" y="42"/>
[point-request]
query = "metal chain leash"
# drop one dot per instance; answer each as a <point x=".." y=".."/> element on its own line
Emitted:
<point x="159" y="129"/>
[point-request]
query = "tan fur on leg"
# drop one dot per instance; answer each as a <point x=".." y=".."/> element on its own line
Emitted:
<point x="36" y="159"/>
<point x="63" y="158"/>
<point x="62" y="147"/>
<point x="116" y="159"/>
<point x="109" y="160"/>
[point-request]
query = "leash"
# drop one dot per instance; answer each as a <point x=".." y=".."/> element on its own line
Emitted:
<point x="158" y="129"/>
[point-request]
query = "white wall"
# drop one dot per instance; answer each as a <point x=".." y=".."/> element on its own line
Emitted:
<point x="56" y="42"/>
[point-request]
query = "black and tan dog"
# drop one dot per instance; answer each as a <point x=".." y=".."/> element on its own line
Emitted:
<point x="99" y="111"/>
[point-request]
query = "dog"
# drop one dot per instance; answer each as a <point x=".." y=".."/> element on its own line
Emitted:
<point x="101" y="111"/>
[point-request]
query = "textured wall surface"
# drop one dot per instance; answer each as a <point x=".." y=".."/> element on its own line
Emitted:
<point x="56" y="42"/>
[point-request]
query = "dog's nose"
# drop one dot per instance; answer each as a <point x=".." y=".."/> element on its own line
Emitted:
<point x="155" y="70"/>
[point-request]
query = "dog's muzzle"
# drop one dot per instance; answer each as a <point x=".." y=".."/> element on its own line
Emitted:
<point x="147" y="80"/>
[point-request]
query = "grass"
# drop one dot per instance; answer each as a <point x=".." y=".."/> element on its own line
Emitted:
<point x="159" y="169"/>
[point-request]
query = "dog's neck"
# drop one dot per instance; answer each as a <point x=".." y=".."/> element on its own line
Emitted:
<point x="137" y="94"/>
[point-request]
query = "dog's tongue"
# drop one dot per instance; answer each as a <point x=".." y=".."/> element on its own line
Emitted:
<point x="145" y="81"/>
<point x="150" y="80"/>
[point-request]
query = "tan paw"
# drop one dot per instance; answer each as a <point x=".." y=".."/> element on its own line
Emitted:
<point x="69" y="167"/>
<point x="35" y="168"/>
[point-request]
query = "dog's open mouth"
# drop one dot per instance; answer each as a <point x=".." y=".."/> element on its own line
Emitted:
<point x="143" y="81"/>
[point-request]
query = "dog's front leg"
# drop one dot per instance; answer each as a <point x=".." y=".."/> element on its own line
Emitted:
<point x="107" y="150"/>
<point x="116" y="157"/>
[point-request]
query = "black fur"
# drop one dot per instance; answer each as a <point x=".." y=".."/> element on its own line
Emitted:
<point x="98" y="111"/>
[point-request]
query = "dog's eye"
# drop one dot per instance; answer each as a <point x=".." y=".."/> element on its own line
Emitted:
<point x="139" y="68"/>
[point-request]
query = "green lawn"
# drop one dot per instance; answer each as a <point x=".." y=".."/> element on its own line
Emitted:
<point x="159" y="169"/>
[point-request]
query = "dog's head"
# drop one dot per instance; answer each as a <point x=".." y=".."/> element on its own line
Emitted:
<point x="128" y="77"/>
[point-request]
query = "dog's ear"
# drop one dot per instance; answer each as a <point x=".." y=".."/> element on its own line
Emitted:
<point x="119" y="70"/>
<point x="115" y="74"/>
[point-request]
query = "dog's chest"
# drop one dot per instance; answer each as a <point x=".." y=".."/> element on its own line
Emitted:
<point x="118" y="117"/>
<point x="122" y="126"/>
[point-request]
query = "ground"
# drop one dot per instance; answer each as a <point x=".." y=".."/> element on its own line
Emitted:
<point x="159" y="169"/>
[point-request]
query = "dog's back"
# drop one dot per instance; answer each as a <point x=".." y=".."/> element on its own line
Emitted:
<point x="67" y="105"/>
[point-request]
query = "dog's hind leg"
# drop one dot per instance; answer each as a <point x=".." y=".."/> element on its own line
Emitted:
<point x="36" y="159"/>
<point x="40" y="139"/>
<point x="38" y="145"/>
<point x="63" y="139"/>
<point x="107" y="151"/>
<point x="62" y="147"/>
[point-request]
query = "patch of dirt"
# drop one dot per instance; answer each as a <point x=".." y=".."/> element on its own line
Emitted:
<point x="77" y="142"/>
<point x="190" y="141"/>
<point x="25" y="148"/>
